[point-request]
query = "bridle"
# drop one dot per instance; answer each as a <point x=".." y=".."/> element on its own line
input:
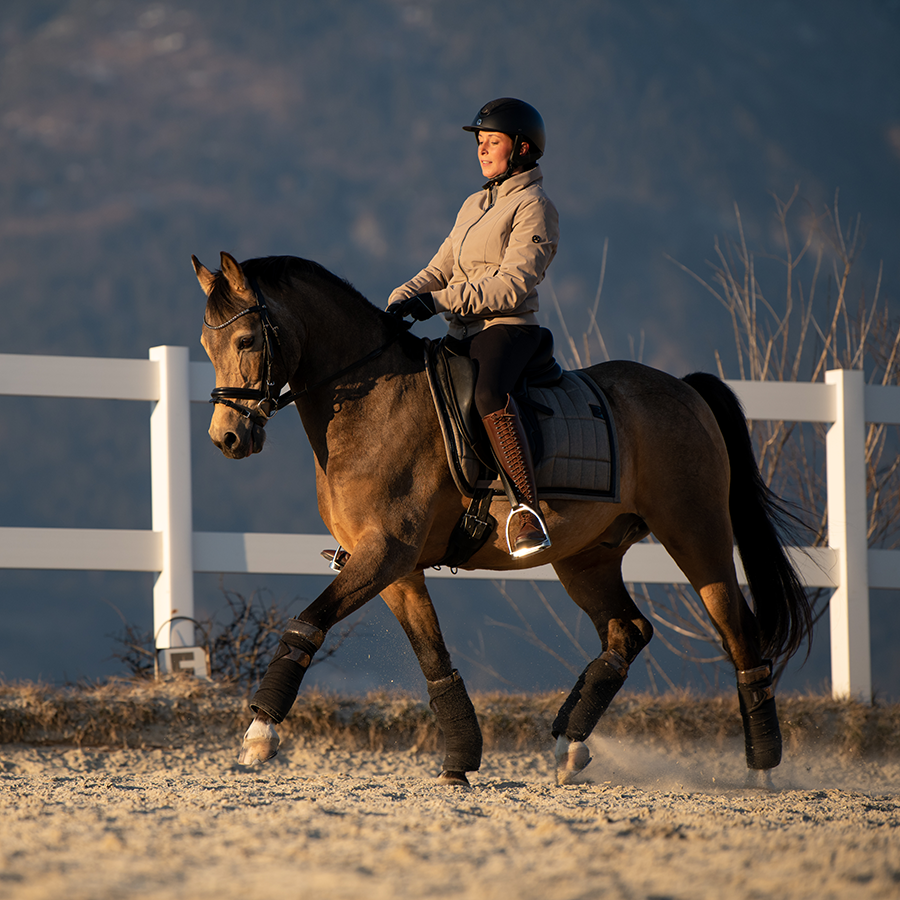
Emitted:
<point x="268" y="400"/>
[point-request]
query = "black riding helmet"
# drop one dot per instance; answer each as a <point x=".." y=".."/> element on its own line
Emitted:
<point x="520" y="121"/>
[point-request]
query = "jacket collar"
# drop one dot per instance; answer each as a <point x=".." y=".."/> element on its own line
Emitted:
<point x="516" y="182"/>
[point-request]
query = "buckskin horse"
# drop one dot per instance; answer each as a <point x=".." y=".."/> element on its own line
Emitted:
<point x="686" y="474"/>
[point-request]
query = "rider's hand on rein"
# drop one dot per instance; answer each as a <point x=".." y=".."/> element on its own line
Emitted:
<point x="419" y="306"/>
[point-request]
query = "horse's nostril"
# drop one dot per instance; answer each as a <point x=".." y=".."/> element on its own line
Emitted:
<point x="230" y="439"/>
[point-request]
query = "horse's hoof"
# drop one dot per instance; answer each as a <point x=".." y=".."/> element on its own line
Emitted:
<point x="453" y="779"/>
<point x="260" y="743"/>
<point x="572" y="758"/>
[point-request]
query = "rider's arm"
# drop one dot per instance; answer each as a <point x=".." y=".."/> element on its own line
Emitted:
<point x="433" y="277"/>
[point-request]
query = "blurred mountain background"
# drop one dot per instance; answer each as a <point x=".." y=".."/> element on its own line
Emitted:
<point x="134" y="134"/>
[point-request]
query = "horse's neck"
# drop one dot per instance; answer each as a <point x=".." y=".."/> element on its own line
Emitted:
<point x="353" y="407"/>
<point x="336" y="331"/>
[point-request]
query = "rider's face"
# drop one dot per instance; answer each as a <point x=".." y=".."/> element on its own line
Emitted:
<point x="494" y="149"/>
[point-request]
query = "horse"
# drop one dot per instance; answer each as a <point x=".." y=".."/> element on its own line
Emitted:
<point x="357" y="377"/>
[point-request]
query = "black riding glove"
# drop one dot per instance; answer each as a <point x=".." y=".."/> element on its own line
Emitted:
<point x="419" y="306"/>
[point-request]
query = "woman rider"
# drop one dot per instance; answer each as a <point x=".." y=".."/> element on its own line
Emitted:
<point x="484" y="280"/>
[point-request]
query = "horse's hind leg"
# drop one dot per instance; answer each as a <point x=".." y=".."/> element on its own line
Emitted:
<point x="594" y="581"/>
<point x="409" y="601"/>
<point x="704" y="553"/>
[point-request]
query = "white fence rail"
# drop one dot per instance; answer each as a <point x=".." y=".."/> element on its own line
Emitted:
<point x="175" y="552"/>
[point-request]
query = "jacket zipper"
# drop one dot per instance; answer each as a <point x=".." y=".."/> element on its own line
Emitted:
<point x="492" y="199"/>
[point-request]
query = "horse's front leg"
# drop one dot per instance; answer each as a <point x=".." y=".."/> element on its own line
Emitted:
<point x="410" y="602"/>
<point x="364" y="576"/>
<point x="278" y="689"/>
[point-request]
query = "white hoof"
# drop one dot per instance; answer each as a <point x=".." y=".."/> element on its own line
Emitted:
<point x="572" y="758"/>
<point x="260" y="742"/>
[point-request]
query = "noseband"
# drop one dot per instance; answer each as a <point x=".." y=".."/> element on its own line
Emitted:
<point x="269" y="401"/>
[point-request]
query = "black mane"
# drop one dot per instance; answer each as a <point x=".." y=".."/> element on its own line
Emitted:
<point x="277" y="272"/>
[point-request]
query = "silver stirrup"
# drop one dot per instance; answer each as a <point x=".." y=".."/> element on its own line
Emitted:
<point x="527" y="551"/>
<point x="337" y="559"/>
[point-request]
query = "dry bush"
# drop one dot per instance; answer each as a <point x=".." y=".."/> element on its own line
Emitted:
<point x="808" y="324"/>
<point x="240" y="639"/>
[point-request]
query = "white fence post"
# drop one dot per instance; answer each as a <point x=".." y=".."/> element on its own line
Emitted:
<point x="170" y="475"/>
<point x="851" y="667"/>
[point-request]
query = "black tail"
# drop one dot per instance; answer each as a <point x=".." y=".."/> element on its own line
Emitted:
<point x="782" y="607"/>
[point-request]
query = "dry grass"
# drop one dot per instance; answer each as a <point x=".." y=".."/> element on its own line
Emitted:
<point x="182" y="710"/>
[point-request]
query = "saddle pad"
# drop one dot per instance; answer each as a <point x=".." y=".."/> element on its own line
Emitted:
<point x="579" y="458"/>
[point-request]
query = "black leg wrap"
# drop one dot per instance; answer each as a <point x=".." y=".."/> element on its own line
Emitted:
<point x="457" y="720"/>
<point x="591" y="696"/>
<point x="279" y="686"/>
<point x="762" y="735"/>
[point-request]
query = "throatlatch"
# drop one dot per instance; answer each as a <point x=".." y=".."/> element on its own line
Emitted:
<point x="591" y="696"/>
<point x="762" y="734"/>
<point x="457" y="720"/>
<point x="278" y="689"/>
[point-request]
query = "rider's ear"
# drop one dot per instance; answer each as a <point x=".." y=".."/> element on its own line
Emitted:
<point x="204" y="276"/>
<point x="232" y="270"/>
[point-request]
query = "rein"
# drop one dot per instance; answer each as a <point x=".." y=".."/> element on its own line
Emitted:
<point x="274" y="402"/>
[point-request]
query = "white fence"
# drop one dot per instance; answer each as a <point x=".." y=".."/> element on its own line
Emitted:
<point x="174" y="551"/>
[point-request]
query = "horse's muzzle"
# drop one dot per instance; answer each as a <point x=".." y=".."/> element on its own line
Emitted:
<point x="240" y="441"/>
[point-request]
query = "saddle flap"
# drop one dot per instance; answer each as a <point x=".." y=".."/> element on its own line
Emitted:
<point x="443" y="369"/>
<point x="456" y="376"/>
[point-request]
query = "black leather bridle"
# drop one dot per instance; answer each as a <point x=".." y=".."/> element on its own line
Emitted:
<point x="268" y="400"/>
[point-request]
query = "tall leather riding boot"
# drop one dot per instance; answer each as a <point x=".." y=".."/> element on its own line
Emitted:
<point x="510" y="446"/>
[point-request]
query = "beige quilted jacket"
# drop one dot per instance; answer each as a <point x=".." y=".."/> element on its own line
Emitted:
<point x="488" y="269"/>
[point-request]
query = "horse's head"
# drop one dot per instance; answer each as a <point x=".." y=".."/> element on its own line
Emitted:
<point x="279" y="320"/>
<point x="236" y="339"/>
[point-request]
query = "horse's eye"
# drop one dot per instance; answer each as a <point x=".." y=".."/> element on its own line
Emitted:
<point x="245" y="343"/>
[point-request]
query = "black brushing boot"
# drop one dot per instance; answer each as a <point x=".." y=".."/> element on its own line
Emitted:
<point x="278" y="689"/>
<point x="578" y="716"/>
<point x="591" y="696"/>
<point x="762" y="735"/>
<point x="457" y="720"/>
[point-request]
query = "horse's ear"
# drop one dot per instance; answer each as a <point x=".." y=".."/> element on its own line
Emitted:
<point x="204" y="276"/>
<point x="232" y="270"/>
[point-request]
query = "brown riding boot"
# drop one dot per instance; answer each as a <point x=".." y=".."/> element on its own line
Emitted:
<point x="510" y="446"/>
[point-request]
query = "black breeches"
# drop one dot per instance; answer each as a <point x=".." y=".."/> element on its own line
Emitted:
<point x="502" y="353"/>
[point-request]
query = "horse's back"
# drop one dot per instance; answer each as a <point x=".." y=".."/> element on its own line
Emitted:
<point x="641" y="395"/>
<point x="628" y="379"/>
<point x="668" y="436"/>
